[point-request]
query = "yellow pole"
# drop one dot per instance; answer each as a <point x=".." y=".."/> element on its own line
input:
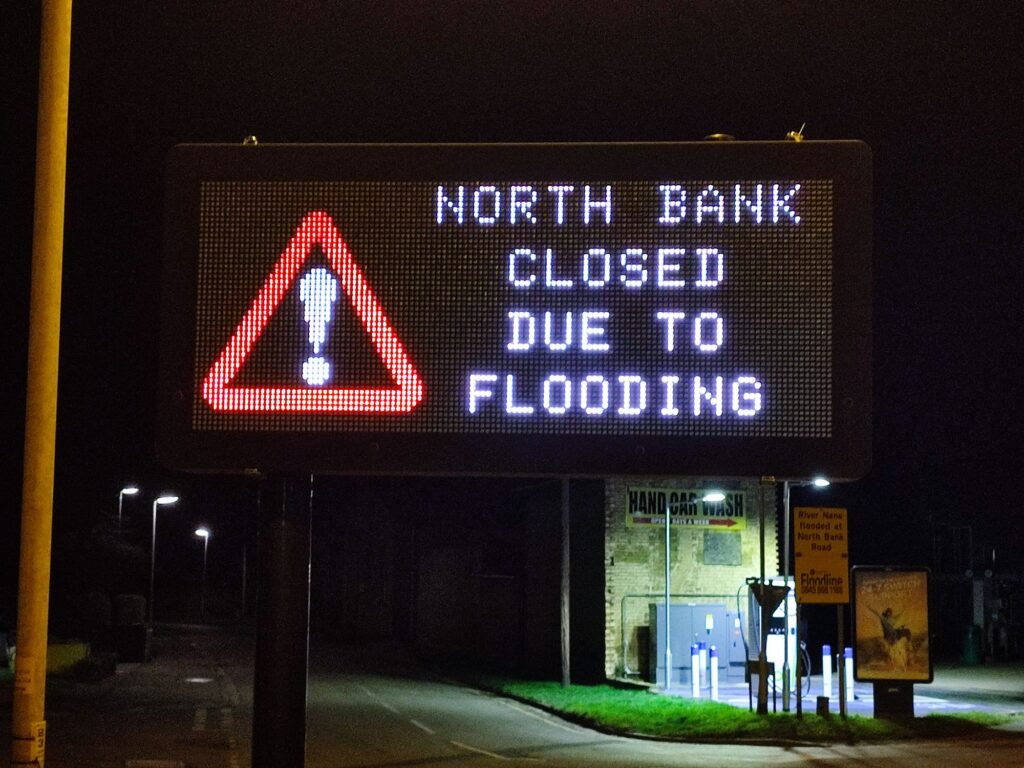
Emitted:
<point x="28" y="745"/>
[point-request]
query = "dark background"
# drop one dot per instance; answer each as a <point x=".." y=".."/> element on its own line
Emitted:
<point x="933" y="88"/>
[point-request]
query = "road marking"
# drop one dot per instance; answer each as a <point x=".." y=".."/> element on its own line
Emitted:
<point x="199" y="721"/>
<point x="548" y="720"/>
<point x="379" y="700"/>
<point x="422" y="727"/>
<point x="479" y="751"/>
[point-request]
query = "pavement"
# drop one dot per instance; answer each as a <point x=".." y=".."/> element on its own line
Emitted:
<point x="993" y="687"/>
<point x="182" y="708"/>
<point x="191" y="706"/>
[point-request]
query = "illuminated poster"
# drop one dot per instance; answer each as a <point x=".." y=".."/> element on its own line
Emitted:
<point x="513" y="307"/>
<point x="891" y="625"/>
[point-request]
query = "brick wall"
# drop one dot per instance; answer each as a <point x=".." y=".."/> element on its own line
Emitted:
<point x="635" y="562"/>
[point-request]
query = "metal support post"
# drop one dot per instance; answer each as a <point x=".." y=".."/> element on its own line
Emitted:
<point x="840" y="672"/>
<point x="799" y="671"/>
<point x="566" y="676"/>
<point x="785" y="612"/>
<point x="668" y="598"/>
<point x="202" y="584"/>
<point x="762" y="655"/>
<point x="282" y="624"/>
<point x="245" y="576"/>
<point x="28" y="726"/>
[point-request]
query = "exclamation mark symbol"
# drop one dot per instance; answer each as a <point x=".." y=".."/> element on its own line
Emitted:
<point x="318" y="291"/>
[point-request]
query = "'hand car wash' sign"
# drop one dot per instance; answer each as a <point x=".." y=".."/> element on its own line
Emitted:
<point x="647" y="506"/>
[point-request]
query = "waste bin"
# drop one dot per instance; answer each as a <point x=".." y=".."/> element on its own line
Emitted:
<point x="972" y="645"/>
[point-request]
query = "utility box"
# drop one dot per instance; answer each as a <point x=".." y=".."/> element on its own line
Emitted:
<point x="692" y="623"/>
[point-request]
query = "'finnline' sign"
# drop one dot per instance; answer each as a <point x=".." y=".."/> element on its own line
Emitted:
<point x="821" y="546"/>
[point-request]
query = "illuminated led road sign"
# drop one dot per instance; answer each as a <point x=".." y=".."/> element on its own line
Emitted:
<point x="518" y="309"/>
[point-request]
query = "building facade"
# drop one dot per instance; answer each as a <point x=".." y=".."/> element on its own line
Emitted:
<point x="714" y="549"/>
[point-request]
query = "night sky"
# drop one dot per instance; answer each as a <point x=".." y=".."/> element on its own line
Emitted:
<point x="933" y="88"/>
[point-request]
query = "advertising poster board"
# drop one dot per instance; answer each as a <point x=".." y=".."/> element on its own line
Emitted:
<point x="891" y="624"/>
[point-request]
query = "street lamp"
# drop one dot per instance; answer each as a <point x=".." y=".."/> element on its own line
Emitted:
<point x="817" y="482"/>
<point x="128" y="490"/>
<point x="711" y="496"/>
<point x="203" y="533"/>
<point x="166" y="499"/>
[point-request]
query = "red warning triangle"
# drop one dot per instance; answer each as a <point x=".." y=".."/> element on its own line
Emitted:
<point x="317" y="228"/>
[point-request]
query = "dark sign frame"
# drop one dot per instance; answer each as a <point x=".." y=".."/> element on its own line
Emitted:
<point x="844" y="455"/>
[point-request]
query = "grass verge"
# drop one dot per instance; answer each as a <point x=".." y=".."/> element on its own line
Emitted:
<point x="641" y="712"/>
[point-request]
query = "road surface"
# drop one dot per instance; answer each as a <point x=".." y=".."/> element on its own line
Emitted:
<point x="191" y="706"/>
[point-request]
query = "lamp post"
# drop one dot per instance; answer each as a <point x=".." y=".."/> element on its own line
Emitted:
<point x="203" y="533"/>
<point x="668" y="596"/>
<point x="166" y="499"/>
<point x="709" y="497"/>
<point x="818" y="482"/>
<point x="128" y="490"/>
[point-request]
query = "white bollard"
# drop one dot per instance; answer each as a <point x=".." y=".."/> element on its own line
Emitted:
<point x="702" y="650"/>
<point x="695" y="671"/>
<point x="714" y="673"/>
<point x="826" y="671"/>
<point x="848" y="670"/>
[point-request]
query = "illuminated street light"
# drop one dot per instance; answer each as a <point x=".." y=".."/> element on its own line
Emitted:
<point x="203" y="533"/>
<point x="128" y="490"/>
<point x="817" y="482"/>
<point x="159" y="500"/>
<point x="709" y="497"/>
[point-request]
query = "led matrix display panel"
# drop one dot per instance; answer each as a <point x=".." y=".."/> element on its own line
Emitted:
<point x="578" y="309"/>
